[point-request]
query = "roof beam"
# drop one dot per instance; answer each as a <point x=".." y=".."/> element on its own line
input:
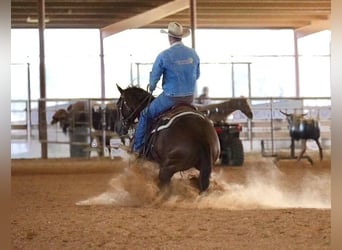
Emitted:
<point x="231" y="24"/>
<point x="146" y="17"/>
<point x="313" y="27"/>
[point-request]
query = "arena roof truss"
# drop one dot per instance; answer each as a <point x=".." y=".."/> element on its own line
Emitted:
<point x="304" y="16"/>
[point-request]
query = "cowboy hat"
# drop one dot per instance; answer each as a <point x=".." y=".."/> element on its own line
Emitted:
<point x="176" y="30"/>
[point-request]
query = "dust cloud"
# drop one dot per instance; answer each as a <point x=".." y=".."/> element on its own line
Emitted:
<point x="263" y="186"/>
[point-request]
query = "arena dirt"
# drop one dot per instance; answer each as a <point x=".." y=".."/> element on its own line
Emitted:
<point x="116" y="204"/>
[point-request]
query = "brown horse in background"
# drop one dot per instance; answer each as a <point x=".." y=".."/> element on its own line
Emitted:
<point x="218" y="112"/>
<point x="74" y="121"/>
<point x="185" y="139"/>
<point x="76" y="115"/>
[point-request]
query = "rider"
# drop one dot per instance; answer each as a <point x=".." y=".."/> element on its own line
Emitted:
<point x="204" y="97"/>
<point x="180" y="67"/>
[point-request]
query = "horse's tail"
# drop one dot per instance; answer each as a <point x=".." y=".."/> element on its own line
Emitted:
<point x="205" y="166"/>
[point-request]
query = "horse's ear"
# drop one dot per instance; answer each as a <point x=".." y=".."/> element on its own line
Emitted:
<point x="119" y="88"/>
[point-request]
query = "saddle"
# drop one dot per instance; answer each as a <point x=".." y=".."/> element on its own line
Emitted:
<point x="164" y="121"/>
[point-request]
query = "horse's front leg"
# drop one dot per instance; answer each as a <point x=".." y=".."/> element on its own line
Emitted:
<point x="320" y="149"/>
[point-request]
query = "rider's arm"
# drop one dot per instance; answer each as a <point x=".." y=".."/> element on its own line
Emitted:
<point x="157" y="71"/>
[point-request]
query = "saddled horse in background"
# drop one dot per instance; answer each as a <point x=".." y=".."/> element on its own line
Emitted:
<point x="219" y="112"/>
<point x="182" y="139"/>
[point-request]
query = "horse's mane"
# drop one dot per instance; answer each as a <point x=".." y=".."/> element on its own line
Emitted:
<point x="136" y="94"/>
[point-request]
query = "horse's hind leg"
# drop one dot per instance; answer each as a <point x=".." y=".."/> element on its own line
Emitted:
<point x="204" y="178"/>
<point x="205" y="166"/>
<point x="303" y="150"/>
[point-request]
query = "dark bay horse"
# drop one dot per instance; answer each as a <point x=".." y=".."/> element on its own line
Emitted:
<point x="186" y="139"/>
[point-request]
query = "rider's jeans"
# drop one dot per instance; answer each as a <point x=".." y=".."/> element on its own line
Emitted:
<point x="156" y="107"/>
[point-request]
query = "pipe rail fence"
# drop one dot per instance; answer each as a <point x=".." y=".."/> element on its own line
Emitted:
<point x="268" y="126"/>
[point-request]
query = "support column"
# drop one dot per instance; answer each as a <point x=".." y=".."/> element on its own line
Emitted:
<point x="42" y="101"/>
<point x="103" y="94"/>
<point x="295" y="39"/>
<point x="193" y="14"/>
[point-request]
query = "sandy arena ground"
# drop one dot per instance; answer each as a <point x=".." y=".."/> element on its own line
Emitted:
<point x="115" y="204"/>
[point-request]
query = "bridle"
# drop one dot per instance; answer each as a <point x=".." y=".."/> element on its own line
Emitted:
<point x="128" y="121"/>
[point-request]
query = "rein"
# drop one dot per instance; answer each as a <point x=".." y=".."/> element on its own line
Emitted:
<point x="129" y="119"/>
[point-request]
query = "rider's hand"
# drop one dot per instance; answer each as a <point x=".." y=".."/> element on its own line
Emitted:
<point x="149" y="88"/>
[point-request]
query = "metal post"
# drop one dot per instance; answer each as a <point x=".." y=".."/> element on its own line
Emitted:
<point x="250" y="99"/>
<point x="249" y="80"/>
<point x="29" y="118"/>
<point x="42" y="101"/>
<point x="233" y="81"/>
<point x="131" y="69"/>
<point x="193" y="14"/>
<point x="103" y="95"/>
<point x="138" y="74"/>
<point x="296" y="64"/>
<point x="272" y="130"/>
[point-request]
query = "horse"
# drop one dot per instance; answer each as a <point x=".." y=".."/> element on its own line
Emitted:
<point x="76" y="115"/>
<point x="301" y="128"/>
<point x="74" y="121"/>
<point x="113" y="124"/>
<point x="182" y="139"/>
<point x="218" y="112"/>
<point x="61" y="116"/>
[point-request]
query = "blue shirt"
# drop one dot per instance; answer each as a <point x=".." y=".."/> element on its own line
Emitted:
<point x="179" y="66"/>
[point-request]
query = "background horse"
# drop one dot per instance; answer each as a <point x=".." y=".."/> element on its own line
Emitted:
<point x="113" y="124"/>
<point x="219" y="112"/>
<point x="77" y="117"/>
<point x="74" y="121"/>
<point x="187" y="141"/>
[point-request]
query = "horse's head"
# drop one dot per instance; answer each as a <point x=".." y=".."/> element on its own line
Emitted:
<point x="292" y="117"/>
<point x="61" y="116"/>
<point x="131" y="102"/>
<point x="218" y="112"/>
<point x="245" y="107"/>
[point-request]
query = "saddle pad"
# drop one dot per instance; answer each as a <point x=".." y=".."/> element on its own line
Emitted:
<point x="175" y="110"/>
<point x="168" y="124"/>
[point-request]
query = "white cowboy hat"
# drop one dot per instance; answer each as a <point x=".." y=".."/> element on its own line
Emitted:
<point x="176" y="30"/>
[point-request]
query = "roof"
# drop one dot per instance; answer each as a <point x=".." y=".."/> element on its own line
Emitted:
<point x="306" y="15"/>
